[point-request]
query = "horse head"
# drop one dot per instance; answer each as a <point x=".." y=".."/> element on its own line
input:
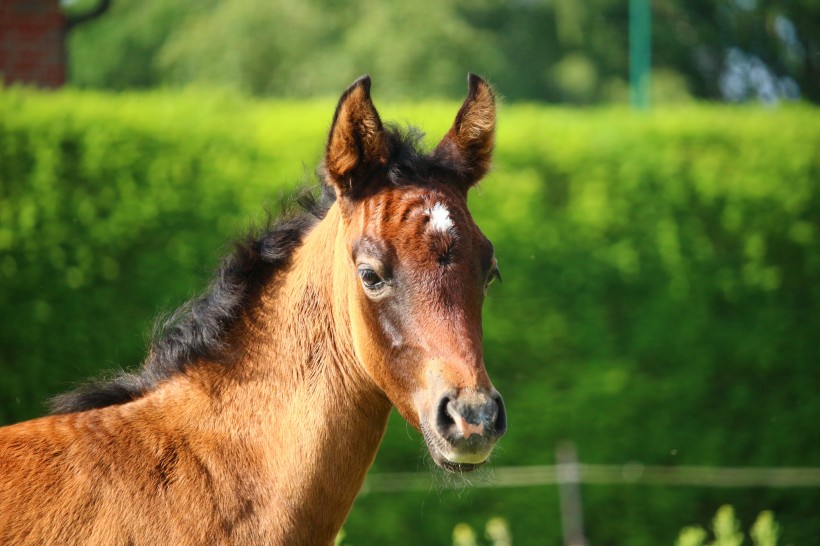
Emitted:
<point x="416" y="269"/>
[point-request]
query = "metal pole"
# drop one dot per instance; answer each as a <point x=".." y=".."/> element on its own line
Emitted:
<point x="640" y="53"/>
<point x="569" y="491"/>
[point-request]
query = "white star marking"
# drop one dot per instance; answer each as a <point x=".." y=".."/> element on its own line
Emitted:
<point x="440" y="218"/>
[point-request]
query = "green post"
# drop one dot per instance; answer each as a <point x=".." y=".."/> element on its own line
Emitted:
<point x="640" y="53"/>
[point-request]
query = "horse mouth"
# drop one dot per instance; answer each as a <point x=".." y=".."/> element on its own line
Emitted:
<point x="445" y="461"/>
<point x="459" y="468"/>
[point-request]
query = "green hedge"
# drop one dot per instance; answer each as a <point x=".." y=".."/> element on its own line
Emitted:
<point x="660" y="296"/>
<point x="114" y="208"/>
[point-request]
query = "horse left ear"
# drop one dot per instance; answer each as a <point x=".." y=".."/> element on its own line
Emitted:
<point x="357" y="143"/>
<point x="470" y="141"/>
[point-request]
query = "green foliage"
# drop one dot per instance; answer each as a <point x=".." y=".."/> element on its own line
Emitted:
<point x="120" y="49"/>
<point x="726" y="528"/>
<point x="691" y="536"/>
<point x="765" y="530"/>
<point x="464" y="535"/>
<point x="559" y="50"/>
<point x="323" y="45"/>
<point x="497" y="532"/>
<point x="660" y="296"/>
<point x="114" y="208"/>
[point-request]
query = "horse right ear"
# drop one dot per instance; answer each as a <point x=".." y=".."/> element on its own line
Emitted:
<point x="357" y="143"/>
<point x="469" y="143"/>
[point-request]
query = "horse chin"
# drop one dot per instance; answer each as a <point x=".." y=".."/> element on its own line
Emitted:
<point x="456" y="467"/>
<point x="449" y="461"/>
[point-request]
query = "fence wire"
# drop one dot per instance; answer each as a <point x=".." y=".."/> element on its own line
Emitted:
<point x="632" y="473"/>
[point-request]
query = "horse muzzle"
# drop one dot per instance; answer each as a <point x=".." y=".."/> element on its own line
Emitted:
<point x="464" y="428"/>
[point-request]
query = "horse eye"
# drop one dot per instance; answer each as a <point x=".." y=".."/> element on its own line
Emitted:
<point x="370" y="279"/>
<point x="494" y="275"/>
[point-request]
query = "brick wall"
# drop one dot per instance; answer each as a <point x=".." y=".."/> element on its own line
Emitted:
<point x="32" y="42"/>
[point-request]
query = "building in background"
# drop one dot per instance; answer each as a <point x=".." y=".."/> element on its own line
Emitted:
<point x="33" y="41"/>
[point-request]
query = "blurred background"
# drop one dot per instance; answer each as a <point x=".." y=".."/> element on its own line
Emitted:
<point x="655" y="207"/>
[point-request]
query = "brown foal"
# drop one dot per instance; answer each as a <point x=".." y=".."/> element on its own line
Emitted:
<point x="260" y="408"/>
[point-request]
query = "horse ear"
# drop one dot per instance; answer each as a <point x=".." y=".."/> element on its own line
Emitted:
<point x="469" y="143"/>
<point x="357" y="142"/>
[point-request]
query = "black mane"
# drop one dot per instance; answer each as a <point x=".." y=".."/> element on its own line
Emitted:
<point x="197" y="330"/>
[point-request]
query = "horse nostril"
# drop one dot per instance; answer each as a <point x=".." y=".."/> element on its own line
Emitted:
<point x="501" y="418"/>
<point x="444" y="421"/>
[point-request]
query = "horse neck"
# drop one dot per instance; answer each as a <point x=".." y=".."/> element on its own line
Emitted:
<point x="298" y="393"/>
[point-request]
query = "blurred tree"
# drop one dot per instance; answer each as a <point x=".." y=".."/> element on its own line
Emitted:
<point x="427" y="42"/>
<point x="120" y="50"/>
<point x="738" y="49"/>
<point x="260" y="47"/>
<point x="300" y="48"/>
<point x="82" y="11"/>
<point x="554" y="50"/>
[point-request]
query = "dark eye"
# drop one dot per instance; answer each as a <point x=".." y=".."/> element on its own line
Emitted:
<point x="370" y="279"/>
<point x="495" y="275"/>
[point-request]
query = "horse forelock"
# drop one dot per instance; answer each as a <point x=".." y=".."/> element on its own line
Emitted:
<point x="408" y="163"/>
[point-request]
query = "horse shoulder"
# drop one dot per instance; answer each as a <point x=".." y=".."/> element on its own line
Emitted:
<point x="110" y="475"/>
